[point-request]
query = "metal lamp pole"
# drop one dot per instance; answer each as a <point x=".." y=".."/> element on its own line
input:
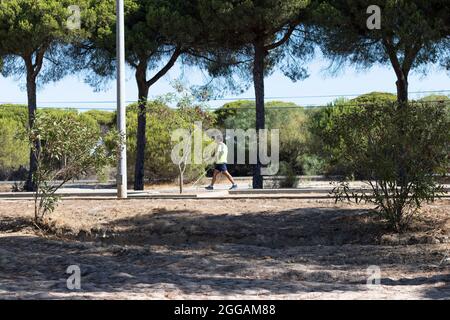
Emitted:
<point x="122" y="192"/>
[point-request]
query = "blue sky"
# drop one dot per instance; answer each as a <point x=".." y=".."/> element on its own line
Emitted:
<point x="72" y="90"/>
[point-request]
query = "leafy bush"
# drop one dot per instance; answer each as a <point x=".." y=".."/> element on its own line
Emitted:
<point x="398" y="150"/>
<point x="289" y="118"/>
<point x="327" y="147"/>
<point x="14" y="151"/>
<point x="105" y="119"/>
<point x="290" y="179"/>
<point x="436" y="99"/>
<point x="312" y="165"/>
<point x="373" y="98"/>
<point x="161" y="122"/>
<point x="18" y="113"/>
<point x="65" y="148"/>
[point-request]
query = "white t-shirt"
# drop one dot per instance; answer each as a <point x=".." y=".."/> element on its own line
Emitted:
<point x="221" y="153"/>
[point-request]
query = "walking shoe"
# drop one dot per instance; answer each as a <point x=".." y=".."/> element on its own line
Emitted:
<point x="209" y="188"/>
<point x="234" y="187"/>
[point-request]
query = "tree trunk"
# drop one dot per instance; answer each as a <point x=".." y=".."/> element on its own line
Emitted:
<point x="181" y="182"/>
<point x="32" y="107"/>
<point x="258" y="79"/>
<point x="141" y="140"/>
<point x="143" y="87"/>
<point x="402" y="100"/>
<point x="402" y="89"/>
<point x="401" y="70"/>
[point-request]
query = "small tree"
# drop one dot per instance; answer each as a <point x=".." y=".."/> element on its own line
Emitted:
<point x="370" y="140"/>
<point x="190" y="113"/>
<point x="183" y="161"/>
<point x="65" y="148"/>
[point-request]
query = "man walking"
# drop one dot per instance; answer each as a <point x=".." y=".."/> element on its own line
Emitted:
<point x="221" y="156"/>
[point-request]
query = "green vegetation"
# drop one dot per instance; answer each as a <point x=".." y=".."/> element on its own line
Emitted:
<point x="289" y="118"/>
<point x="370" y="141"/>
<point x="436" y="98"/>
<point x="105" y="119"/>
<point x="328" y="147"/>
<point x="14" y="153"/>
<point x="66" y="147"/>
<point x="36" y="37"/>
<point x="308" y="145"/>
<point x="161" y="122"/>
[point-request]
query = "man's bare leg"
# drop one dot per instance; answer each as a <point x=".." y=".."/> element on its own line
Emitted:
<point x="229" y="177"/>
<point x="214" y="178"/>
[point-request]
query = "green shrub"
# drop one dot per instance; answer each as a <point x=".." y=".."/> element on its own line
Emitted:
<point x="14" y="151"/>
<point x="66" y="148"/>
<point x="290" y="179"/>
<point x="105" y="119"/>
<point x="373" y="97"/>
<point x="18" y="113"/>
<point x="398" y="151"/>
<point x="436" y="99"/>
<point x="161" y="122"/>
<point x="324" y="144"/>
<point x="312" y="165"/>
<point x="288" y="117"/>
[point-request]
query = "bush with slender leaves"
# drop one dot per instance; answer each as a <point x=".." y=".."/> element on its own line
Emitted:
<point x="66" y="148"/>
<point x="398" y="150"/>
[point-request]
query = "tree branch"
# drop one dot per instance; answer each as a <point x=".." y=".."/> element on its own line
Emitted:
<point x="392" y="53"/>
<point x="176" y="54"/>
<point x="37" y="66"/>
<point x="196" y="54"/>
<point x="410" y="56"/>
<point x="283" y="40"/>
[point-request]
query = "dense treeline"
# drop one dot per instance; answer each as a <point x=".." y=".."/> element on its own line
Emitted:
<point x="308" y="141"/>
<point x="14" y="151"/>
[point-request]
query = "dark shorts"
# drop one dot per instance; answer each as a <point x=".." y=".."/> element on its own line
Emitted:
<point x="221" y="167"/>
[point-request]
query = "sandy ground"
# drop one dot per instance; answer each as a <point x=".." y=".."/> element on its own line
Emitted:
<point x="225" y="249"/>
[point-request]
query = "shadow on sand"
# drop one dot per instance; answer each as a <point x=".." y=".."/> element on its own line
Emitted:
<point x="302" y="250"/>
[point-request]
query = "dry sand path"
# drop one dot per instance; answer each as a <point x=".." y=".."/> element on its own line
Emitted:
<point x="198" y="249"/>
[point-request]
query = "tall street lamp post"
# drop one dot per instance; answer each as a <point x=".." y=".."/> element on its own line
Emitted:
<point x="122" y="192"/>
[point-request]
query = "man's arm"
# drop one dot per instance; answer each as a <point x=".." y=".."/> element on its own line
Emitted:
<point x="213" y="157"/>
<point x="220" y="151"/>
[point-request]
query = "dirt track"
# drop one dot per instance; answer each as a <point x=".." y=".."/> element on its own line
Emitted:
<point x="251" y="249"/>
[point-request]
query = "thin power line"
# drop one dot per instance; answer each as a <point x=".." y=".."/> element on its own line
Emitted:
<point x="447" y="103"/>
<point x="235" y="98"/>
<point x="269" y="108"/>
<point x="324" y="96"/>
